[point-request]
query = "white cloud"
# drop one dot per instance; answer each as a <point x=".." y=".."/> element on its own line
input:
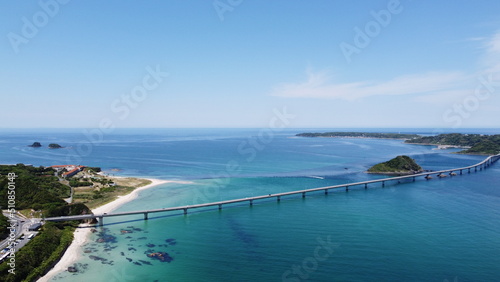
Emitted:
<point x="320" y="85"/>
<point x="436" y="87"/>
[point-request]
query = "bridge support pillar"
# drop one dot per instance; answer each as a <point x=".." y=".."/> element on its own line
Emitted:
<point x="185" y="211"/>
<point x="347" y="188"/>
<point x="475" y="168"/>
<point x="278" y="198"/>
<point x="145" y="216"/>
<point x="251" y="202"/>
<point x="460" y="172"/>
<point x="101" y="221"/>
<point x="413" y="178"/>
<point x="469" y="170"/>
<point x="326" y="191"/>
<point x="303" y="194"/>
<point x="366" y="186"/>
<point x="383" y="183"/>
<point x="220" y="206"/>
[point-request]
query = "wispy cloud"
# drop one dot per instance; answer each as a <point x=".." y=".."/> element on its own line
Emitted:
<point x="321" y="85"/>
<point x="429" y="86"/>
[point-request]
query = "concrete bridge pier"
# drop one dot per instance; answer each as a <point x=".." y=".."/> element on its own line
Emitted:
<point x="279" y="198"/>
<point x="460" y="172"/>
<point x="326" y="191"/>
<point x="251" y="202"/>
<point x="303" y="194"/>
<point x="220" y="206"/>
<point x="366" y="186"/>
<point x="469" y="170"/>
<point x="145" y="216"/>
<point x="185" y="210"/>
<point x="101" y="221"/>
<point x="383" y="183"/>
<point x="413" y="178"/>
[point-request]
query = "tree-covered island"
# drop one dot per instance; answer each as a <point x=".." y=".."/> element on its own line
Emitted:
<point x="400" y="165"/>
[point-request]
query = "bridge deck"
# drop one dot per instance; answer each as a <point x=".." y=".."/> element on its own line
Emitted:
<point x="487" y="161"/>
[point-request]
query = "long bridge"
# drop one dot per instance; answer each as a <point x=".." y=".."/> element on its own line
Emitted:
<point x="427" y="175"/>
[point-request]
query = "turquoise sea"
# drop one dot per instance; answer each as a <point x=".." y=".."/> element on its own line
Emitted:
<point x="436" y="230"/>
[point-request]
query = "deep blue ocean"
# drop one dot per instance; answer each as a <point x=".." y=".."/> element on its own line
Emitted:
<point x="435" y="230"/>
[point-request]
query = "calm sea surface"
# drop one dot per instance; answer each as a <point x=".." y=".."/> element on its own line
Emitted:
<point x="437" y="230"/>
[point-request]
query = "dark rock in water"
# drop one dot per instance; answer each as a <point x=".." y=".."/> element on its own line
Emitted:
<point x="149" y="245"/>
<point x="128" y="237"/>
<point x="137" y="263"/>
<point x="121" y="253"/>
<point x="145" y="262"/>
<point x="142" y="238"/>
<point x="97" y="258"/>
<point x="87" y="251"/>
<point x="72" y="269"/>
<point x="129" y="259"/>
<point x="169" y="240"/>
<point x="106" y="238"/>
<point x="161" y="256"/>
<point x="132" y="249"/>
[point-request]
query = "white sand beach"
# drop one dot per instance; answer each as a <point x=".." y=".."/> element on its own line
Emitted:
<point x="81" y="235"/>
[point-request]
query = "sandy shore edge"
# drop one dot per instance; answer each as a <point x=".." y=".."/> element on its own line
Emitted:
<point x="82" y="233"/>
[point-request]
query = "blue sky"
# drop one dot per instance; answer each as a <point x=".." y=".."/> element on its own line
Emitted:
<point x="235" y="63"/>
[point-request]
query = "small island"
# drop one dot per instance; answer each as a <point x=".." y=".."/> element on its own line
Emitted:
<point x="54" y="146"/>
<point x="35" y="145"/>
<point x="400" y="165"/>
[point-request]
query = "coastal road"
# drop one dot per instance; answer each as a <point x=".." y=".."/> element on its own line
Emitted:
<point x="22" y="226"/>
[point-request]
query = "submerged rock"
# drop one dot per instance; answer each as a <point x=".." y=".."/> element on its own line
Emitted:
<point x="161" y="256"/>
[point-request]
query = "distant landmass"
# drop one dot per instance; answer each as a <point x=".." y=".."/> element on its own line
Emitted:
<point x="361" y="135"/>
<point x="473" y="143"/>
<point x="400" y="165"/>
<point x="476" y="144"/>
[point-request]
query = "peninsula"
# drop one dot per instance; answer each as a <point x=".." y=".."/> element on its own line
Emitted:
<point x="360" y="135"/>
<point x="400" y="165"/>
<point x="60" y="190"/>
<point x="474" y="144"/>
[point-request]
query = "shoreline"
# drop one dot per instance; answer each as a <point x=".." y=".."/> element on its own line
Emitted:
<point x="82" y="232"/>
